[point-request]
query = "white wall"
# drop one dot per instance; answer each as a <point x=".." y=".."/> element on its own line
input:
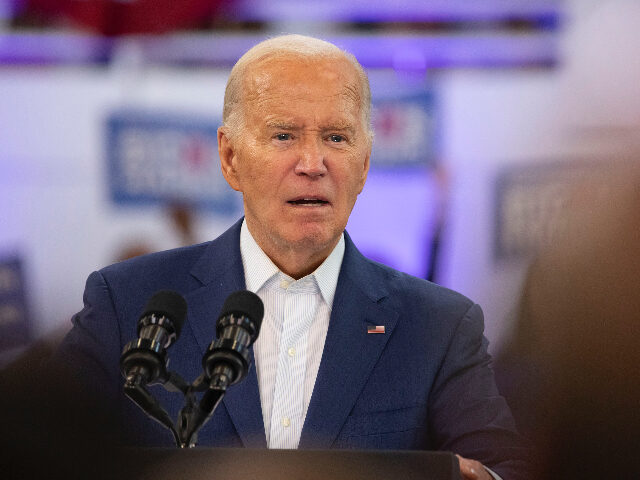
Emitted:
<point x="492" y="120"/>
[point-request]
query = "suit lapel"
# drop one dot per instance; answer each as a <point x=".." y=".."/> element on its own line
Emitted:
<point x="221" y="272"/>
<point x="350" y="353"/>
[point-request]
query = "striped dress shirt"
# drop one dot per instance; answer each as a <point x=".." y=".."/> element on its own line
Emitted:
<point x="289" y="348"/>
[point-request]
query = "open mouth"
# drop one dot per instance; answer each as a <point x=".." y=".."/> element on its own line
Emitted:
<point x="308" y="201"/>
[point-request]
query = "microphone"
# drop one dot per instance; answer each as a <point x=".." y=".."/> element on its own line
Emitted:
<point x="144" y="361"/>
<point x="227" y="359"/>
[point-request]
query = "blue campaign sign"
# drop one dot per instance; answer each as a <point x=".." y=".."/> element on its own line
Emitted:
<point x="404" y="131"/>
<point x="14" y="321"/>
<point x="158" y="158"/>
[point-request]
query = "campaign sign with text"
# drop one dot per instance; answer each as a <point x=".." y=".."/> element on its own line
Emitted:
<point x="530" y="204"/>
<point x="158" y="159"/>
<point x="14" y="322"/>
<point x="404" y="133"/>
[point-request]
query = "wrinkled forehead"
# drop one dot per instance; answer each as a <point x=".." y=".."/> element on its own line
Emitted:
<point x="303" y="78"/>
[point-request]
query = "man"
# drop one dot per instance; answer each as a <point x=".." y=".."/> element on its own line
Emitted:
<point x="296" y="142"/>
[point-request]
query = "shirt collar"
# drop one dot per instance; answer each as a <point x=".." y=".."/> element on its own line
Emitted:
<point x="258" y="267"/>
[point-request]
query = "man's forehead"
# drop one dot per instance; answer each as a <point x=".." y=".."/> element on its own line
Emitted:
<point x="302" y="77"/>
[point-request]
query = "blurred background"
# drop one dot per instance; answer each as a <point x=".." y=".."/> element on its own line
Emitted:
<point x="485" y="116"/>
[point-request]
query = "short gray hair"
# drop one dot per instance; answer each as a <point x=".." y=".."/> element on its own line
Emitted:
<point x="298" y="45"/>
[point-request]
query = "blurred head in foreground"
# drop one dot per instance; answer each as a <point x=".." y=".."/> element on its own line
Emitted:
<point x="579" y="331"/>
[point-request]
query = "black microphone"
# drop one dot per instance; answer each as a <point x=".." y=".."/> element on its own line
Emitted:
<point x="144" y="360"/>
<point x="227" y="359"/>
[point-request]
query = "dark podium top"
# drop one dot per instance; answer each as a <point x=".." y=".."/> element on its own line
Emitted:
<point x="249" y="464"/>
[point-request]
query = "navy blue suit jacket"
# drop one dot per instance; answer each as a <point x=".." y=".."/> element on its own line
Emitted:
<point x="425" y="383"/>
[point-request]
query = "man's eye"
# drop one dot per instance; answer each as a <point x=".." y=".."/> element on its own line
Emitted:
<point x="283" y="136"/>
<point x="336" y="138"/>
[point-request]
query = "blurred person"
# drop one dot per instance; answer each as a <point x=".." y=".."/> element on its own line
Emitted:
<point x="573" y="362"/>
<point x="181" y="219"/>
<point x="296" y="142"/>
<point x="53" y="427"/>
<point x="132" y="249"/>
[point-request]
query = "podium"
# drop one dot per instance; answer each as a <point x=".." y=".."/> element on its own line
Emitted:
<point x="250" y="464"/>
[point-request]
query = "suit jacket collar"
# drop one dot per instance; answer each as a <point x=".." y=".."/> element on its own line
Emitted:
<point x="349" y="352"/>
<point x="221" y="260"/>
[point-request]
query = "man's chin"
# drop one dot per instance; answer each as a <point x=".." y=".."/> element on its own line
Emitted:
<point x="313" y="240"/>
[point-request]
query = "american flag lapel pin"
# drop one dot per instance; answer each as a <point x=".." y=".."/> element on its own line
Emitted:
<point x="375" y="328"/>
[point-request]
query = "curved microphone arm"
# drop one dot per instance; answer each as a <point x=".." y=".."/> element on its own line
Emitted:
<point x="134" y="388"/>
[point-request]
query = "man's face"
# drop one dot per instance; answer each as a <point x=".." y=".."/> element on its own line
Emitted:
<point x="302" y="155"/>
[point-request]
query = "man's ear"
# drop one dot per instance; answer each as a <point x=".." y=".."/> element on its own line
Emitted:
<point x="227" y="154"/>
<point x="365" y="168"/>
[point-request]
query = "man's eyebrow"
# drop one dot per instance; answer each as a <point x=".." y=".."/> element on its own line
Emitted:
<point x="339" y="126"/>
<point x="333" y="126"/>
<point x="281" y="125"/>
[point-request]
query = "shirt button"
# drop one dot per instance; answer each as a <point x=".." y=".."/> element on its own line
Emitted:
<point x="286" y="422"/>
<point x="291" y="351"/>
<point x="284" y="284"/>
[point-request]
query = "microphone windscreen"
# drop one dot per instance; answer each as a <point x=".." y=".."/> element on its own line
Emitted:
<point x="170" y="304"/>
<point x="244" y="303"/>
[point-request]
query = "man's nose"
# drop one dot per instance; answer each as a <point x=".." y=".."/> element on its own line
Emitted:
<point x="311" y="159"/>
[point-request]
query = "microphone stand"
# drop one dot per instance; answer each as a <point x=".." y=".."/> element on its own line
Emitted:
<point x="193" y="415"/>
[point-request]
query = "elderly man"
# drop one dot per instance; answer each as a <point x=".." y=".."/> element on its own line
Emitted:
<point x="296" y="142"/>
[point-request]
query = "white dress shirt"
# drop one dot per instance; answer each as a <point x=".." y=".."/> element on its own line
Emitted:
<point x="289" y="348"/>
